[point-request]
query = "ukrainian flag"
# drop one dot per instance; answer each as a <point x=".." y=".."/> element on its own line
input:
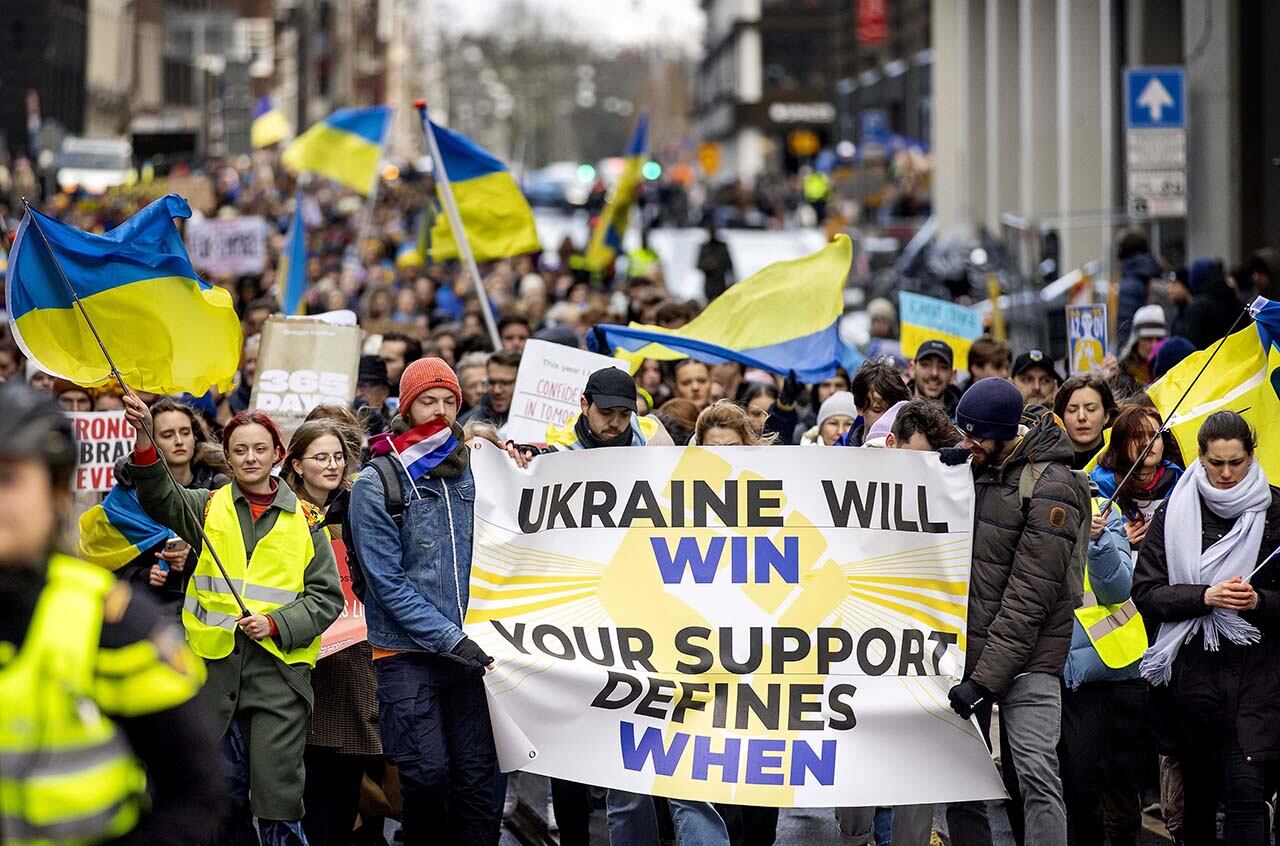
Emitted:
<point x="781" y="319"/>
<point x="1242" y="376"/>
<point x="606" y="239"/>
<point x="167" y="330"/>
<point x="269" y="125"/>
<point x="291" y="271"/>
<point x="414" y="254"/>
<point x="345" y="147"/>
<point x="117" y="531"/>
<point x="496" y="216"/>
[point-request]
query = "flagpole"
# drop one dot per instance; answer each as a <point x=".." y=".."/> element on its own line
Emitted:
<point x="1168" y="421"/>
<point x="366" y="221"/>
<point x="455" y="224"/>
<point x="146" y="427"/>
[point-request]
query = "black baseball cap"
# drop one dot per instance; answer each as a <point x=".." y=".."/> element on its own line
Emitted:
<point x="611" y="388"/>
<point x="1036" y="358"/>
<point x="939" y="348"/>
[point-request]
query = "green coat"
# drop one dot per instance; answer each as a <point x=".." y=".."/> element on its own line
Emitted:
<point x="251" y="679"/>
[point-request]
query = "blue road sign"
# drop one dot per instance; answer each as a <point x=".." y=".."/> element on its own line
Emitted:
<point x="874" y="126"/>
<point x="1155" y="98"/>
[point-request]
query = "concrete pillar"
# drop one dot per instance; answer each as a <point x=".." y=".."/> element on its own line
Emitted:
<point x="1083" y="148"/>
<point x="1002" y="110"/>
<point x="959" y="122"/>
<point x="1212" y="29"/>
<point x="1037" y="114"/>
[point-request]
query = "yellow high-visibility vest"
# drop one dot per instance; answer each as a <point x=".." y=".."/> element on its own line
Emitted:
<point x="272" y="578"/>
<point x="1116" y="631"/>
<point x="67" y="773"/>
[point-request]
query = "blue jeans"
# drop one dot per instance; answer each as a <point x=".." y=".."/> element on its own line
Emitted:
<point x="435" y="727"/>
<point x="633" y="821"/>
<point x="237" y="829"/>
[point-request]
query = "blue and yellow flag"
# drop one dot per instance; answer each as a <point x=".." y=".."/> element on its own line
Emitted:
<point x="1243" y="376"/>
<point x="269" y="125"/>
<point x="495" y="215"/>
<point x="117" y="531"/>
<point x="345" y="147"/>
<point x="291" y="271"/>
<point x="782" y="318"/>
<point x="167" y="330"/>
<point x="606" y="238"/>
<point x="414" y="253"/>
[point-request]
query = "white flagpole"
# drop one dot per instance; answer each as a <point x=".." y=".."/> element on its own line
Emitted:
<point x="455" y="225"/>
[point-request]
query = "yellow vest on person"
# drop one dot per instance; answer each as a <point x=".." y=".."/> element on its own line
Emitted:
<point x="272" y="578"/>
<point x="67" y="773"/>
<point x="1116" y="631"/>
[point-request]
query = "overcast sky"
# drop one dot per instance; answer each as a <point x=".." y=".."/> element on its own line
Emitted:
<point x="620" y="21"/>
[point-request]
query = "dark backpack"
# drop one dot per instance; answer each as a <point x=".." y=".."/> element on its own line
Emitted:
<point x="393" y="490"/>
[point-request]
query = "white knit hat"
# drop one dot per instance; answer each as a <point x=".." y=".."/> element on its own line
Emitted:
<point x="1148" y="322"/>
<point x="841" y="402"/>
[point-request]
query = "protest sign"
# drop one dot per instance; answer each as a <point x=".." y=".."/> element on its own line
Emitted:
<point x="235" y="246"/>
<point x="302" y="364"/>
<point x="1086" y="337"/>
<point x="753" y="626"/>
<point x="924" y="318"/>
<point x="350" y="627"/>
<point x="102" y="437"/>
<point x="549" y="386"/>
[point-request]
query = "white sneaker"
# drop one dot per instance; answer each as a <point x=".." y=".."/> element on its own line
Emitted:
<point x="552" y="826"/>
<point x="510" y="801"/>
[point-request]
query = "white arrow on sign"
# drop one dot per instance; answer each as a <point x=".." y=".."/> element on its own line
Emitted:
<point x="1155" y="98"/>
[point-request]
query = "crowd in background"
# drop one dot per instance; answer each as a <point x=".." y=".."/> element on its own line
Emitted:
<point x="1089" y="743"/>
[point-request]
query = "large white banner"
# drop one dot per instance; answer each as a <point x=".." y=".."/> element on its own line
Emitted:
<point x="755" y="625"/>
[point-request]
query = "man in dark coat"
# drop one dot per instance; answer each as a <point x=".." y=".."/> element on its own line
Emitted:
<point x="1214" y="307"/>
<point x="715" y="263"/>
<point x="1020" y="599"/>
<point x="1138" y="269"/>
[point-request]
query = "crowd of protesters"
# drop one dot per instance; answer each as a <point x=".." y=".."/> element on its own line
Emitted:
<point x="1093" y="726"/>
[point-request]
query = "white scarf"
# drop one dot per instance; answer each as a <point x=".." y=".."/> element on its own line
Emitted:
<point x="1236" y="554"/>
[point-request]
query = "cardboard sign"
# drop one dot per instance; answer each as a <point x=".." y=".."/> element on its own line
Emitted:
<point x="1086" y="337"/>
<point x="549" y="388"/>
<point x="103" y="437"/>
<point x="302" y="364"/>
<point x="235" y="246"/>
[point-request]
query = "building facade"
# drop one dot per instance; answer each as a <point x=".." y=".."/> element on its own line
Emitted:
<point x="1028" y="124"/>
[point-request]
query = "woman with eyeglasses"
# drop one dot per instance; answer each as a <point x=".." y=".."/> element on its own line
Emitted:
<point x="342" y="739"/>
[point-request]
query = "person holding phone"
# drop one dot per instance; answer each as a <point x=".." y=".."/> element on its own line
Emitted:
<point x="197" y="463"/>
<point x="1150" y="483"/>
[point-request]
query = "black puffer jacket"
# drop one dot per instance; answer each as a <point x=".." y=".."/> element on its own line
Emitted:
<point x="1215" y="695"/>
<point x="1020" y="593"/>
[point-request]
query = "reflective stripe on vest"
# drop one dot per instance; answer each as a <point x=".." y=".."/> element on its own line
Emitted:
<point x="1116" y="631"/>
<point x="67" y="774"/>
<point x="271" y="578"/>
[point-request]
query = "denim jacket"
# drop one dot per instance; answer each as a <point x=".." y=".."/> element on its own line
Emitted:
<point x="418" y="578"/>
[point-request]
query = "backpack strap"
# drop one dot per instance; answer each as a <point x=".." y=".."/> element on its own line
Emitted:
<point x="392" y="486"/>
<point x="1031" y="473"/>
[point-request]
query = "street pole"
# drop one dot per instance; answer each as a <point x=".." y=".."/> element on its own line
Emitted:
<point x="455" y="224"/>
<point x="115" y="371"/>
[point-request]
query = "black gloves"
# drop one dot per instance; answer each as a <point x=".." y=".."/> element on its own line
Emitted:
<point x="967" y="696"/>
<point x="953" y="456"/>
<point x="790" y="392"/>
<point x="467" y="652"/>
